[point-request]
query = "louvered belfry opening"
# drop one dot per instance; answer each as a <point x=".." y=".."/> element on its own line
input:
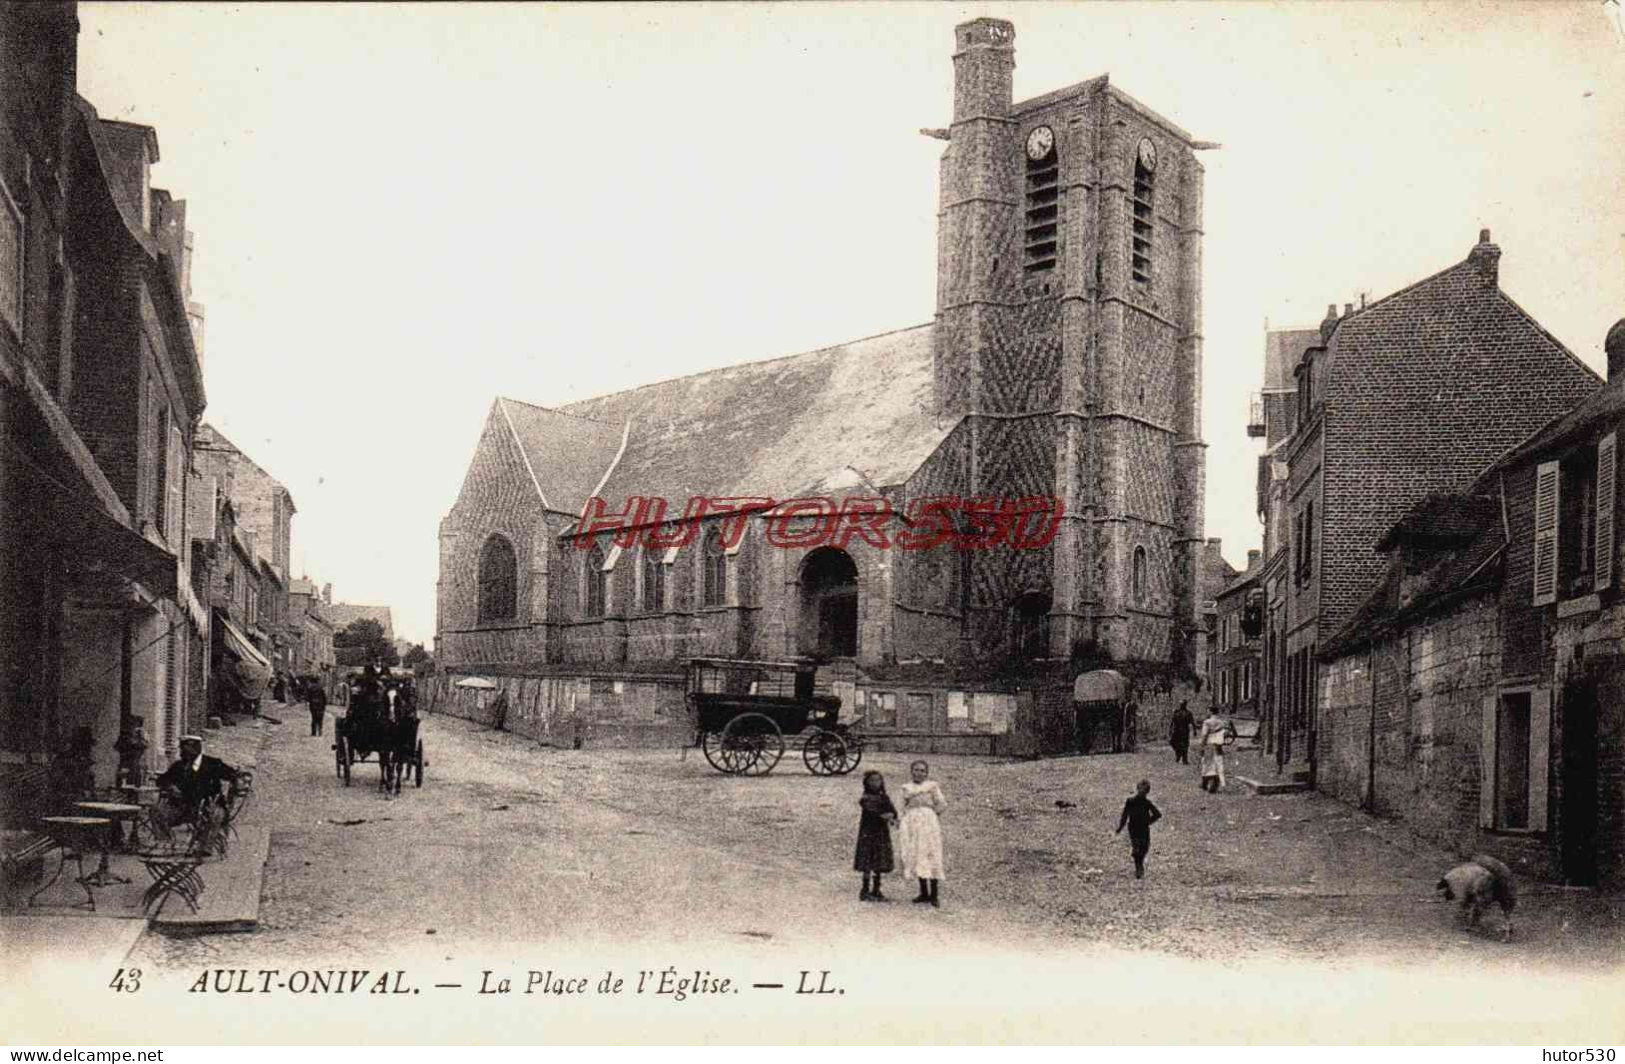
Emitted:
<point x="1043" y="206"/>
<point x="1144" y="206"/>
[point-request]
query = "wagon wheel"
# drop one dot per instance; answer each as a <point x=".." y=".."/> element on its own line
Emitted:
<point x="825" y="753"/>
<point x="732" y="757"/>
<point x="338" y="756"/>
<point x="417" y="765"/>
<point x="759" y="734"/>
<point x="341" y="752"/>
<point x="854" y="753"/>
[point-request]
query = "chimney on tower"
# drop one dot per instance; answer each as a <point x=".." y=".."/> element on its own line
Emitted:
<point x="1486" y="259"/>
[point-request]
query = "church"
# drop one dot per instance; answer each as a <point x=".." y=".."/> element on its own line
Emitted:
<point x="1063" y="364"/>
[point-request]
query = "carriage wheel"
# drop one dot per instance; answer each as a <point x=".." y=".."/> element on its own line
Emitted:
<point x="760" y="735"/>
<point x="732" y="758"/>
<point x="417" y="766"/>
<point x="854" y="753"/>
<point x="825" y="753"/>
<point x="338" y="756"/>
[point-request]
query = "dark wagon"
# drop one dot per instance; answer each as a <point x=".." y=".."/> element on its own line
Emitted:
<point x="743" y="710"/>
<point x="381" y="721"/>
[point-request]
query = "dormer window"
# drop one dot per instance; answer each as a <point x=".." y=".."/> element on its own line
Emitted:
<point x="1043" y="201"/>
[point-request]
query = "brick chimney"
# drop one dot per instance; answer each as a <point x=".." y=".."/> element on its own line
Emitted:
<point x="1614" y="346"/>
<point x="1330" y="323"/>
<point x="1486" y="259"/>
<point x="1252" y="559"/>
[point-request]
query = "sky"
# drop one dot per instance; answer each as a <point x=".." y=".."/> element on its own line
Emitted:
<point x="403" y="212"/>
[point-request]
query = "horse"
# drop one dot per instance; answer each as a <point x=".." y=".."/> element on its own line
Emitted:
<point x="398" y="737"/>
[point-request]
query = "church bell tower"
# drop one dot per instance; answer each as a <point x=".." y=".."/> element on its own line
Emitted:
<point x="1068" y="349"/>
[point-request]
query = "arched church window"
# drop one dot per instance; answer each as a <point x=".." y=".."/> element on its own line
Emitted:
<point x="714" y="579"/>
<point x="654" y="583"/>
<point x="597" y="582"/>
<point x="499" y="581"/>
<point x="1139" y="576"/>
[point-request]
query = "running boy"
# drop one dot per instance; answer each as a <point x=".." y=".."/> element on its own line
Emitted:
<point x="1139" y="814"/>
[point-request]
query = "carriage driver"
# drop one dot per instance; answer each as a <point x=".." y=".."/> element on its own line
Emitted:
<point x="193" y="779"/>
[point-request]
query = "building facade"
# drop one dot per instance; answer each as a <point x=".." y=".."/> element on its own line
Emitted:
<point x="1414" y="394"/>
<point x="1236" y="664"/>
<point x="102" y="393"/>
<point x="1063" y="364"/>
<point x="1477" y="693"/>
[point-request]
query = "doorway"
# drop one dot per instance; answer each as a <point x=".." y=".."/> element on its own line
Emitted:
<point x="1577" y="823"/>
<point x="829" y="604"/>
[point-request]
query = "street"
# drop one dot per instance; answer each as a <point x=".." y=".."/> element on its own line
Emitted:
<point x="508" y="842"/>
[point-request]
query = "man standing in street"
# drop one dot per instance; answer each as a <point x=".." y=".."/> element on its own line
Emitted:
<point x="318" y="706"/>
<point x="1179" y="734"/>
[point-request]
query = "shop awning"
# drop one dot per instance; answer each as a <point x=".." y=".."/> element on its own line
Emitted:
<point x="251" y="672"/>
<point x="241" y="648"/>
<point x="90" y="539"/>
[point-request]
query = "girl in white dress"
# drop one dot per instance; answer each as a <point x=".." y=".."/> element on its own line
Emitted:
<point x="921" y="833"/>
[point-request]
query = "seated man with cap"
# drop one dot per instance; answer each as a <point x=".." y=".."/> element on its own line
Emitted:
<point x="193" y="780"/>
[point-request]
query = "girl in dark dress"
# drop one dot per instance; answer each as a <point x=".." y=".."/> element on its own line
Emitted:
<point x="874" y="854"/>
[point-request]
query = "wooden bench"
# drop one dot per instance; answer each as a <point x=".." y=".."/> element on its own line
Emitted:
<point x="27" y="792"/>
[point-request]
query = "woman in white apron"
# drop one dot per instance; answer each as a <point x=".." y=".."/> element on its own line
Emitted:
<point x="1216" y="731"/>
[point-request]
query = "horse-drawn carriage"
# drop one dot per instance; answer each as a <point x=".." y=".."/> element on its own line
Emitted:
<point x="744" y="709"/>
<point x="1103" y="713"/>
<point x="382" y="722"/>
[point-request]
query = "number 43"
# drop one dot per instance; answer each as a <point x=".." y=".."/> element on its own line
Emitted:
<point x="126" y="980"/>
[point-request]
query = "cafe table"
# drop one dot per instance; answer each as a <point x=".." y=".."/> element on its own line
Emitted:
<point x="74" y="835"/>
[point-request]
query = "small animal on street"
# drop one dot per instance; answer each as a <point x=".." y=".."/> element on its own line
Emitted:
<point x="1478" y="884"/>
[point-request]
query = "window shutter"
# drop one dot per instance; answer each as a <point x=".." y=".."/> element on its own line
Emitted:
<point x="1486" y="764"/>
<point x="1606" y="477"/>
<point x="1545" y="534"/>
<point x="1540" y="732"/>
<point x="175" y="471"/>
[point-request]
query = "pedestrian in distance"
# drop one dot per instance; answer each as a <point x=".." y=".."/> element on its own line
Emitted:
<point x="1216" y="731"/>
<point x="920" y="832"/>
<point x="1180" y="727"/>
<point x="1138" y="816"/>
<point x="318" y="707"/>
<point x="874" y="854"/>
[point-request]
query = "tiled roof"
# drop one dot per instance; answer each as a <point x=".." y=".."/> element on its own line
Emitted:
<point x="1424" y="390"/>
<point x="568" y="453"/>
<point x="1241" y="580"/>
<point x="1605" y="404"/>
<point x="1442" y="518"/>
<point x="1282" y="350"/>
<point x="342" y="614"/>
<point x="1455" y="573"/>
<point x="782" y="428"/>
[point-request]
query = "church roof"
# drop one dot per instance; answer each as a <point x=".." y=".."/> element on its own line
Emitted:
<point x="569" y="454"/>
<point x="782" y="428"/>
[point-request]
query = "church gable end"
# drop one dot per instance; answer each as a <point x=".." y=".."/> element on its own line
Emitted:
<point x="498" y="498"/>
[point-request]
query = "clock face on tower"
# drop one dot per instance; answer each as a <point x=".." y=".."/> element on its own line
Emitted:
<point x="1040" y="142"/>
<point x="1148" y="154"/>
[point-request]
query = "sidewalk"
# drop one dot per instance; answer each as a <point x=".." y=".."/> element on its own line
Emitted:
<point x="54" y="932"/>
